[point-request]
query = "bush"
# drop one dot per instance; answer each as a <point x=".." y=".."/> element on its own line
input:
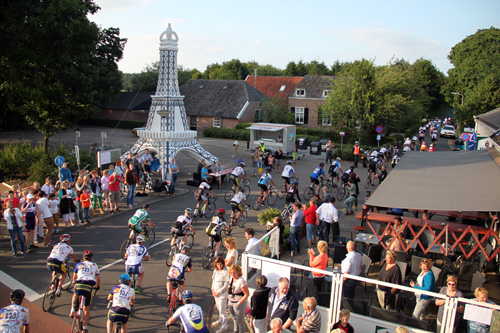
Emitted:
<point x="41" y="169"/>
<point x="267" y="215"/>
<point x="243" y="125"/>
<point x="227" y="133"/>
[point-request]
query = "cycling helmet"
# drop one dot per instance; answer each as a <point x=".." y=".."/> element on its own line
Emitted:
<point x="17" y="295"/>
<point x="124" y="278"/>
<point x="242" y="164"/>
<point x="356" y="143"/>
<point x="87" y="255"/>
<point x="269" y="168"/>
<point x="221" y="211"/>
<point x="338" y="158"/>
<point x="322" y="164"/>
<point x="65" y="238"/>
<point x="187" y="294"/>
<point x="242" y="190"/>
<point x="140" y="239"/>
<point x="289" y="162"/>
<point x="261" y="142"/>
<point x="296" y="182"/>
<point x="188" y="211"/>
<point x="186" y="248"/>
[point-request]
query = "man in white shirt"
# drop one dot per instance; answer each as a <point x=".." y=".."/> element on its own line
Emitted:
<point x="327" y="217"/>
<point x="351" y="265"/>
<point x="249" y="235"/>
<point x="287" y="174"/>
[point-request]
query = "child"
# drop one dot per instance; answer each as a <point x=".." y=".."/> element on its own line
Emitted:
<point x="85" y="201"/>
<point x="260" y="164"/>
<point x="343" y="323"/>
<point x="270" y="161"/>
<point x="29" y="211"/>
<point x="295" y="155"/>
<point x="54" y="209"/>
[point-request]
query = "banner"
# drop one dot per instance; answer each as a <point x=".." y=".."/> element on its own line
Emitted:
<point x="473" y="140"/>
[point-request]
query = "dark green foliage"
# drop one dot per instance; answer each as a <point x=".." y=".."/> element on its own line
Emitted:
<point x="227" y="133"/>
<point x="125" y="124"/>
<point x="243" y="125"/>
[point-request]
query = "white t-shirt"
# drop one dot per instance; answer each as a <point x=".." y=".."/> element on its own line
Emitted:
<point x="239" y="197"/>
<point x="86" y="271"/>
<point x="53" y="206"/>
<point x="43" y="207"/>
<point x="61" y="251"/>
<point x="104" y="183"/>
<point x="256" y="250"/>
<point x="287" y="171"/>
<point x="13" y="317"/>
<point x="47" y="189"/>
<point x="135" y="253"/>
<point x="232" y="253"/>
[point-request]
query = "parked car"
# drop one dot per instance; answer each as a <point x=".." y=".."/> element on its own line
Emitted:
<point x="448" y="131"/>
<point x="134" y="130"/>
<point x="460" y="145"/>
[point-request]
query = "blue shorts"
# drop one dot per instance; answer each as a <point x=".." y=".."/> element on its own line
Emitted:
<point x="236" y="206"/>
<point x="311" y="231"/>
<point x="234" y="179"/>
<point x="119" y="315"/>
<point x="134" y="269"/>
<point x="30" y="220"/>
<point x="85" y="290"/>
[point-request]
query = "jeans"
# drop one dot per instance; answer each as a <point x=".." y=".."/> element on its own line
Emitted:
<point x="329" y="157"/>
<point x="221" y="303"/>
<point x="238" y="314"/>
<point x="19" y="232"/>
<point x="324" y="232"/>
<point x="85" y="213"/>
<point x="79" y="211"/>
<point x="311" y="232"/>
<point x="347" y="203"/>
<point x="349" y="287"/>
<point x="173" y="180"/>
<point x="295" y="237"/>
<point x="130" y="194"/>
<point x="259" y="325"/>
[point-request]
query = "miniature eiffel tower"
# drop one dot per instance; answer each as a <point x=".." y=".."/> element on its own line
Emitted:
<point x="167" y="131"/>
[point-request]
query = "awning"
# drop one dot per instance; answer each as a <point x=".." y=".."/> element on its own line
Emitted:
<point x="451" y="181"/>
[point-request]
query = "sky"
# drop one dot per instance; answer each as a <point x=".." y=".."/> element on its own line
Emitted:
<point x="277" y="32"/>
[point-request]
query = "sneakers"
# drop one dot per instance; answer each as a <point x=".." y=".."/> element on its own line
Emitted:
<point x="130" y="206"/>
<point x="137" y="290"/>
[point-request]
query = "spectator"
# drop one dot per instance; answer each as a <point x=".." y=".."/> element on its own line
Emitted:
<point x="43" y="208"/>
<point x="319" y="262"/>
<point x="105" y="189"/>
<point x="351" y="265"/>
<point x="282" y="303"/>
<point x="79" y="184"/>
<point x="450" y="290"/>
<point x="326" y="194"/>
<point x="173" y="169"/>
<point x="327" y="217"/>
<point x="11" y="197"/>
<point x="310" y="321"/>
<point x="295" y="223"/>
<point x="238" y="291"/>
<point x="401" y="329"/>
<point x="15" y="318"/>
<point x="146" y="156"/>
<point x="249" y="235"/>
<point x="276" y="326"/>
<point x="425" y="281"/>
<point x="66" y="196"/>
<point x="85" y="201"/>
<point x="343" y="323"/>
<point x="278" y="156"/>
<point x="204" y="172"/>
<point x="277" y="222"/>
<point x="220" y="284"/>
<point x="351" y="191"/>
<point x="310" y="218"/>
<point x="473" y="326"/>
<point x="355" y="180"/>
<point x="114" y="191"/>
<point x="329" y="152"/>
<point x="95" y="185"/>
<point x="258" y="304"/>
<point x="131" y="182"/>
<point x="65" y="173"/>
<point x="14" y="219"/>
<point x="389" y="272"/>
<point x="120" y="168"/>
<point x="54" y="209"/>
<point x="232" y="251"/>
<point x="47" y="187"/>
<point x="29" y="210"/>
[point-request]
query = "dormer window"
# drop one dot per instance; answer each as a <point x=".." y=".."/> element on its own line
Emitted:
<point x="283" y="88"/>
<point x="325" y="93"/>
<point x="300" y="92"/>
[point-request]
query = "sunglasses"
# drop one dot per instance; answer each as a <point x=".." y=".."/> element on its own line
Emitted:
<point x="452" y="284"/>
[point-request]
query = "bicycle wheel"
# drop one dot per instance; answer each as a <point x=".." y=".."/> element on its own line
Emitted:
<point x="281" y="192"/>
<point x="246" y="188"/>
<point x="170" y="255"/>
<point x="272" y="198"/>
<point x="367" y="182"/>
<point x="243" y="219"/>
<point x="341" y="193"/>
<point x="150" y="237"/>
<point x="257" y="202"/>
<point x="69" y="277"/>
<point x="172" y="305"/>
<point x="124" y="247"/>
<point x="229" y="195"/>
<point x="226" y="232"/>
<point x="285" y="214"/>
<point x="308" y="193"/>
<point x="189" y="240"/>
<point x="49" y="297"/>
<point x="210" y="210"/>
<point x="208" y="257"/>
<point x="76" y="327"/>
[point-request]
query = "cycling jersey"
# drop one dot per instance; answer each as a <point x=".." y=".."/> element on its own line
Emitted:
<point x="290" y="194"/>
<point x="13" y="317"/>
<point x="238" y="171"/>
<point x="135" y="253"/>
<point x="86" y="272"/>
<point x="191" y="317"/>
<point x="374" y="154"/>
<point x="383" y="150"/>
<point x="60" y="252"/>
<point x="122" y="296"/>
<point x="180" y="264"/>
<point x="287" y="171"/>
<point x="182" y="224"/>
<point x="265" y="178"/>
<point x="334" y="167"/>
<point x="204" y="186"/>
<point x="239" y="197"/>
<point x="215" y="226"/>
<point x="317" y="172"/>
<point x="141" y="216"/>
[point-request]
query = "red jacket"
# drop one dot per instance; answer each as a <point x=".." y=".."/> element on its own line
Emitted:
<point x="310" y="214"/>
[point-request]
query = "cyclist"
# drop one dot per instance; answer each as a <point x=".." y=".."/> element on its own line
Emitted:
<point x="287" y="174"/>
<point x="55" y="261"/>
<point x="315" y="175"/>
<point x="235" y="175"/>
<point x="190" y="314"/>
<point x="138" y="222"/>
<point x="423" y="147"/>
<point x="264" y="178"/>
<point x="181" y="225"/>
<point x="236" y="204"/>
<point x="292" y="192"/>
<point x="181" y="263"/>
<point x="14" y="316"/>
<point x="214" y="229"/>
<point x="133" y="265"/>
<point x="383" y="154"/>
<point x="123" y="298"/>
<point x="200" y="194"/>
<point x="335" y="168"/>
<point x="85" y="278"/>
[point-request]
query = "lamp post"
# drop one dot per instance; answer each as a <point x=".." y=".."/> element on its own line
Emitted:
<point x="457" y="93"/>
<point x="163" y="114"/>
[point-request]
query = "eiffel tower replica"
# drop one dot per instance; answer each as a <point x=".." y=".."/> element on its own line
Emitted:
<point x="167" y="131"/>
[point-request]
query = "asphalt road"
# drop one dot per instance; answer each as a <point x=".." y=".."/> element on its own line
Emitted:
<point x="106" y="236"/>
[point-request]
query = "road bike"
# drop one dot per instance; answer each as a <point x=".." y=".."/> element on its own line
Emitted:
<point x="231" y="192"/>
<point x="117" y="326"/>
<point x="341" y="191"/>
<point x="209" y="254"/>
<point x="176" y="327"/>
<point x="311" y="189"/>
<point x="287" y="211"/>
<point x="149" y="234"/>
<point x="241" y="221"/>
<point x="208" y="211"/>
<point x="174" y="301"/>
<point x="271" y="199"/>
<point x="50" y="294"/>
<point x="177" y="246"/>
<point x="77" y="325"/>
<point x="368" y="180"/>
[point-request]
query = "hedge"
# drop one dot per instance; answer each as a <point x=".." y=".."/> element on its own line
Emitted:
<point x="227" y="133"/>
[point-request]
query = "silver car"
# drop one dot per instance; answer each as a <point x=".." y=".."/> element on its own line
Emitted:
<point x="448" y="131"/>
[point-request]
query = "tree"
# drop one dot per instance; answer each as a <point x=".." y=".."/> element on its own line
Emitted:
<point x="229" y="70"/>
<point x="145" y="80"/>
<point x="317" y="68"/>
<point x="431" y="81"/>
<point x="59" y="67"/>
<point x="476" y="61"/>
<point x="275" y="110"/>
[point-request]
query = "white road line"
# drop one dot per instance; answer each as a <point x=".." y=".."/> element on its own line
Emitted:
<point x="12" y="283"/>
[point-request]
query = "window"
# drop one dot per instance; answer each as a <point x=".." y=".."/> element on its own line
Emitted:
<point x="258" y="115"/>
<point x="217" y="122"/>
<point x="299" y="115"/>
<point x="283" y="88"/>
<point x="325" y="93"/>
<point x="300" y="92"/>
<point x="192" y="123"/>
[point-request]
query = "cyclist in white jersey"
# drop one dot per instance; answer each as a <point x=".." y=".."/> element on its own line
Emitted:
<point x="133" y="265"/>
<point x="235" y="175"/>
<point x="201" y="194"/>
<point x="55" y="261"/>
<point x="123" y="298"/>
<point x="190" y="314"/>
<point x="15" y="318"/>
<point x="181" y="264"/>
<point x="287" y="174"/>
<point x="181" y="225"/>
<point x="236" y="203"/>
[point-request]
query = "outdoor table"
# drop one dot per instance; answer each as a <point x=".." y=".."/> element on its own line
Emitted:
<point x="222" y="174"/>
<point x="366" y="238"/>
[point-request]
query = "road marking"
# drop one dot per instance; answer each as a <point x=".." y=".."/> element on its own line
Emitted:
<point x="12" y="283"/>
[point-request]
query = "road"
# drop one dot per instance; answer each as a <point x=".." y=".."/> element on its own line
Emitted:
<point x="106" y="236"/>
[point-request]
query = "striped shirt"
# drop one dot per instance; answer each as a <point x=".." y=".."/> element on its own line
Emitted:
<point x="312" y="322"/>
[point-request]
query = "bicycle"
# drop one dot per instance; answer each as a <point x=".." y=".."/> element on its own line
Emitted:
<point x="77" y="325"/>
<point x="310" y="190"/>
<point x="232" y="191"/>
<point x="117" y="326"/>
<point x="209" y="254"/>
<point x="287" y="211"/>
<point x="208" y="211"/>
<point x="149" y="234"/>
<point x="368" y="180"/>
<point x="341" y="191"/>
<point x="240" y="222"/>
<point x="271" y="199"/>
<point x="49" y="296"/>
<point x="177" y="247"/>
<point x="174" y="299"/>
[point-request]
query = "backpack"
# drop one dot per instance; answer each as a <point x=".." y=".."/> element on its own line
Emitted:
<point x="345" y="177"/>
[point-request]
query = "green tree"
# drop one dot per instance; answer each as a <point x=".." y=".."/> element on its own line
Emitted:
<point x="317" y="68"/>
<point x="59" y="67"/>
<point x="145" y="80"/>
<point x="476" y="61"/>
<point x="275" y="110"/>
<point x="229" y="70"/>
<point x="431" y="81"/>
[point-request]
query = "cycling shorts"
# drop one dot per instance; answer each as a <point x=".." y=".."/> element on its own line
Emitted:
<point x="234" y="179"/>
<point x="314" y="180"/>
<point x="137" y="228"/>
<point x="119" y="315"/>
<point x="290" y="198"/>
<point x="287" y="179"/>
<point x="373" y="166"/>
<point x="84" y="289"/>
<point x="263" y="187"/>
<point x="177" y="233"/>
<point x="215" y="238"/>
<point x="201" y="197"/>
<point x="180" y="282"/>
<point x="134" y="269"/>
<point x="55" y="265"/>
<point x="236" y="206"/>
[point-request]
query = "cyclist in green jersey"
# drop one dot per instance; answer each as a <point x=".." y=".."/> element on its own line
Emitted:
<point x="139" y="221"/>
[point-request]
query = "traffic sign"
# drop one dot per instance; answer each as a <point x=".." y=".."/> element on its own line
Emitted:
<point x="341" y="133"/>
<point x="379" y="137"/>
<point x="465" y="136"/>
<point x="379" y="129"/>
<point x="59" y="161"/>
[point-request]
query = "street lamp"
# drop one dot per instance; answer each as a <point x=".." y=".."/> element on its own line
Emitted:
<point x="457" y="93"/>
<point x="163" y="114"/>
